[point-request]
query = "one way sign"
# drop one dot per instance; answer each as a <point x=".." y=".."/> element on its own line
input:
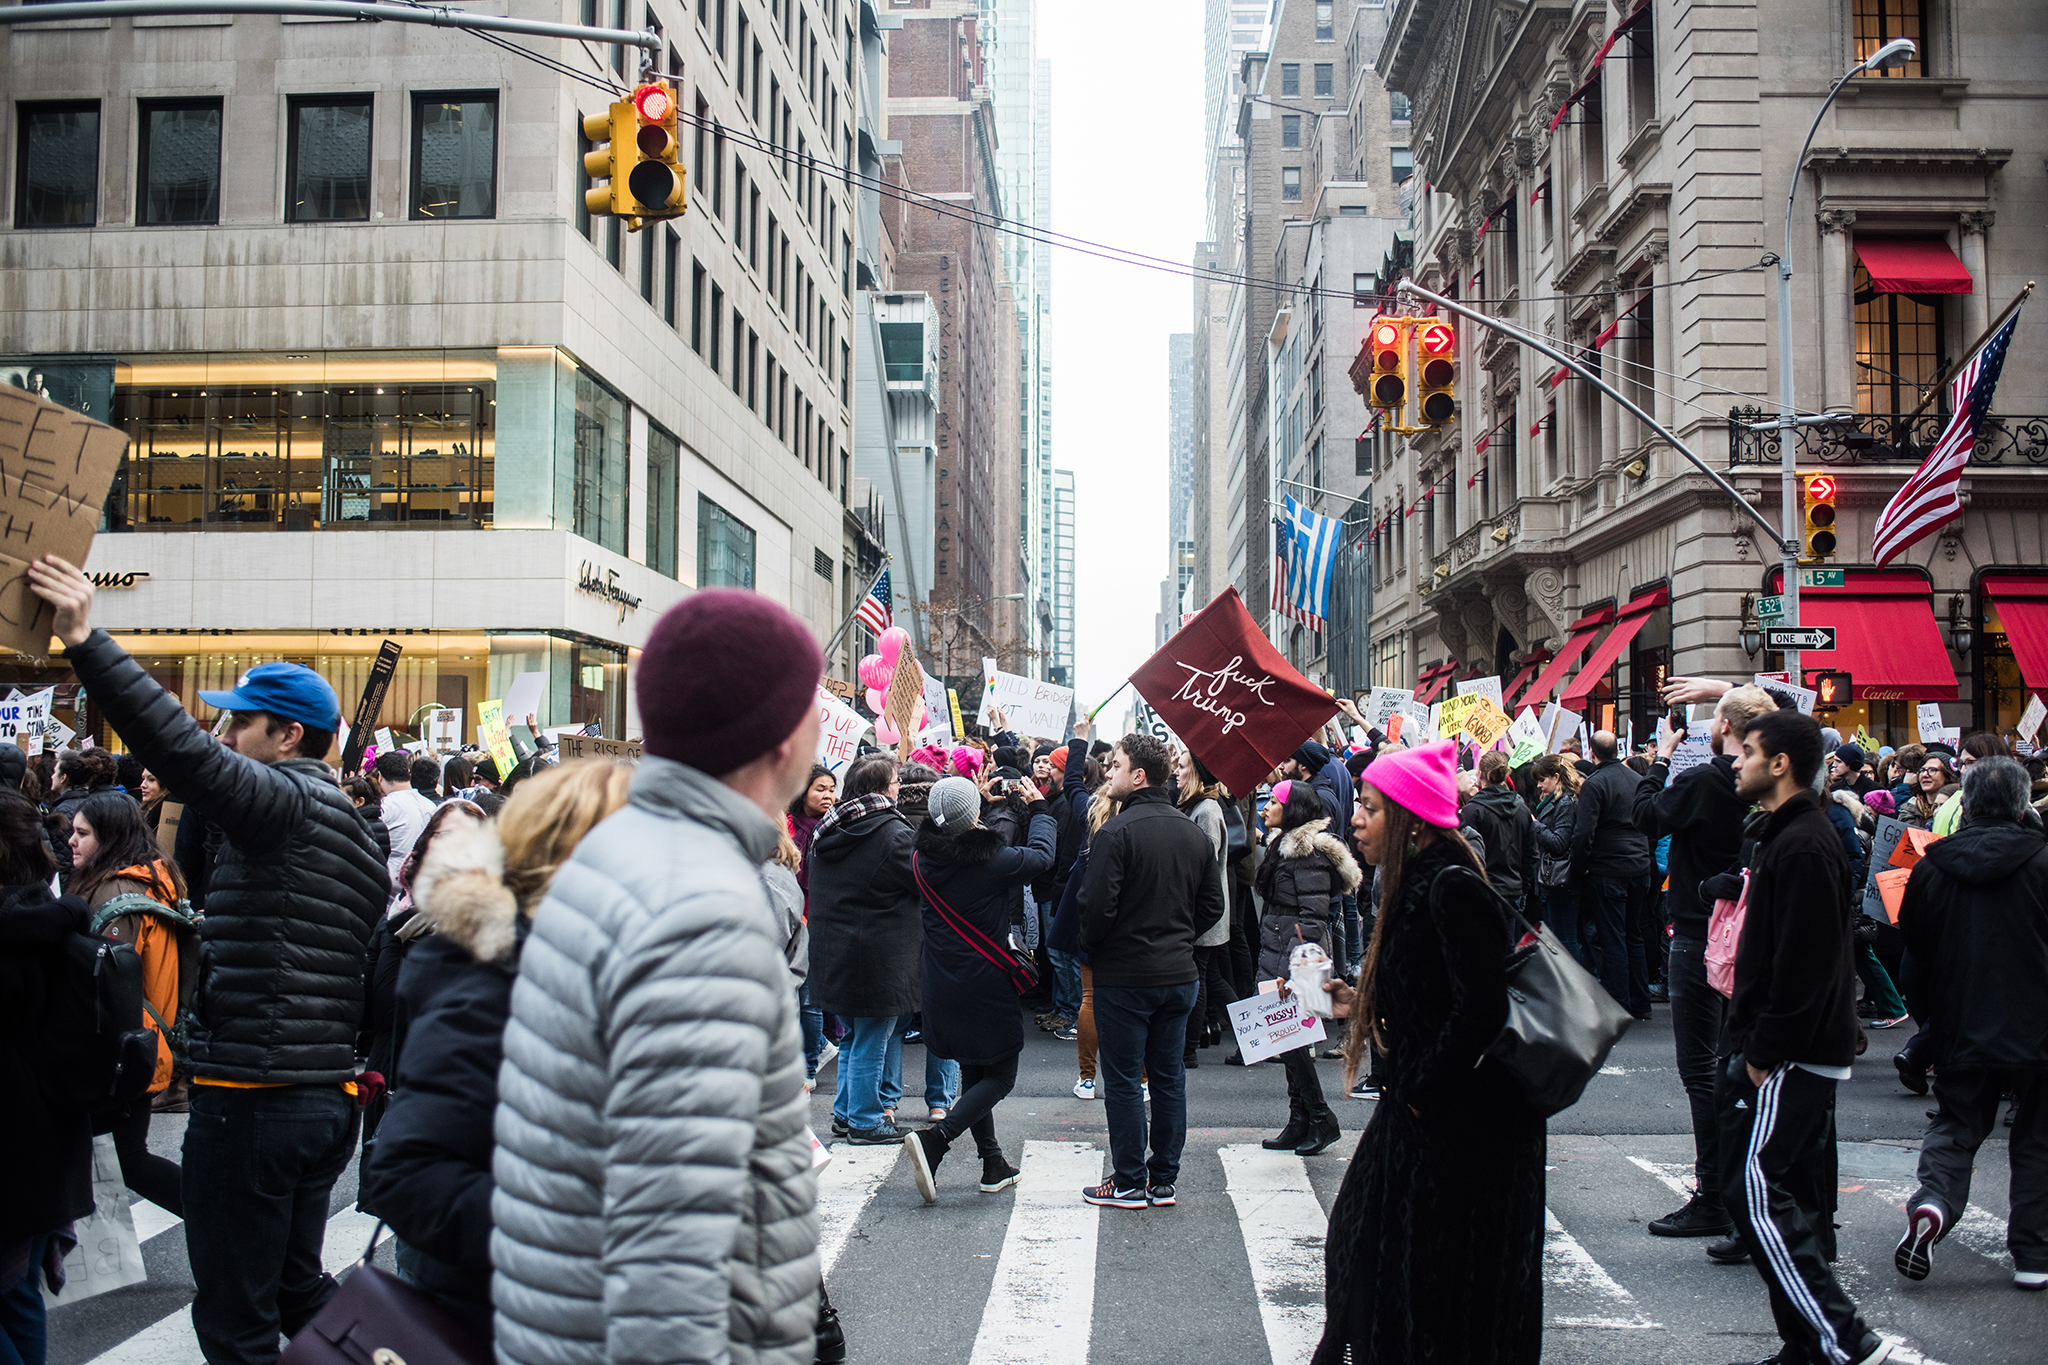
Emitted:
<point x="1799" y="637"/>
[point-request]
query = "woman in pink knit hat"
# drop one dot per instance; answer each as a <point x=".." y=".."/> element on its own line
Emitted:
<point x="1435" y="1247"/>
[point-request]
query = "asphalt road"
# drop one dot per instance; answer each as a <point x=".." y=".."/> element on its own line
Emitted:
<point x="1234" y="1272"/>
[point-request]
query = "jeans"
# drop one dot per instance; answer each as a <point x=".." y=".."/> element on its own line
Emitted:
<point x="986" y="1087"/>
<point x="1558" y="907"/>
<point x="814" y="1029"/>
<point x="1140" y="1031"/>
<point x="873" y="1048"/>
<point x="259" y="1166"/>
<point x="1698" y="1013"/>
<point x="1354" y="944"/>
<point x="941" y="1077"/>
<point x="1617" y="909"/>
<point x="1877" y="983"/>
<point x="1968" y="1113"/>
<point x="143" y="1171"/>
<point x="24" y="1329"/>
<point x="1066" y="984"/>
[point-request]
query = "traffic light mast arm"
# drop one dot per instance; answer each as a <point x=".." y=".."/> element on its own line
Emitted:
<point x="1541" y="345"/>
<point x="438" y="16"/>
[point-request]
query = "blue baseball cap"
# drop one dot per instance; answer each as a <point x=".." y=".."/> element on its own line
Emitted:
<point x="291" y="691"/>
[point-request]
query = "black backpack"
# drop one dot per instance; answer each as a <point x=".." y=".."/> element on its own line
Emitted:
<point x="101" y="1056"/>
<point x="184" y="926"/>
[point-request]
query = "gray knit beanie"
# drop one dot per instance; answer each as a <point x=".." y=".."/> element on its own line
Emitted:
<point x="955" y="804"/>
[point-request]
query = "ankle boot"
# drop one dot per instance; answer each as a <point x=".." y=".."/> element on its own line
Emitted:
<point x="1322" y="1131"/>
<point x="1288" y="1138"/>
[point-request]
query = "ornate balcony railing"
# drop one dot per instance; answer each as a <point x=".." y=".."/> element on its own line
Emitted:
<point x="1872" y="439"/>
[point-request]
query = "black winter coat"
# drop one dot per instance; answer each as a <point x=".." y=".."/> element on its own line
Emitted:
<point x="1154" y="884"/>
<point x="1504" y="822"/>
<point x="1070" y="813"/>
<point x="1300" y="877"/>
<point x="865" y="930"/>
<point x="1795" y="974"/>
<point x="970" y="1004"/>
<point x="294" y="892"/>
<point x="1702" y="815"/>
<point x="57" y="824"/>
<point x="45" y="1150"/>
<point x="1008" y="818"/>
<point x="1555" y="820"/>
<point x="1605" y="840"/>
<point x="1975" y="921"/>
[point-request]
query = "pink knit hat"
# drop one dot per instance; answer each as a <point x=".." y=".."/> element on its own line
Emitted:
<point x="1281" y="789"/>
<point x="1423" y="781"/>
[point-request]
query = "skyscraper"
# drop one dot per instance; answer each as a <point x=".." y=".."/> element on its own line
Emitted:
<point x="1180" y="473"/>
<point x="1061" y="669"/>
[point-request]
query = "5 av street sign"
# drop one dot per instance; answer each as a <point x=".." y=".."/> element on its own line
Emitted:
<point x="1799" y="637"/>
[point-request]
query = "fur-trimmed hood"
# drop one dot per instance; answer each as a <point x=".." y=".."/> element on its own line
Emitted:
<point x="969" y="848"/>
<point x="1312" y="837"/>
<point x="460" y="889"/>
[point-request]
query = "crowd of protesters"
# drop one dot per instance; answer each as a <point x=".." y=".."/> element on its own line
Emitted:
<point x="582" y="1006"/>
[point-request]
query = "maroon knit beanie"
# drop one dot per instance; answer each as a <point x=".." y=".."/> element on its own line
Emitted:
<point x="725" y="676"/>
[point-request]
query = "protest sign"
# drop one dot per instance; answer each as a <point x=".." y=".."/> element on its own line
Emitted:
<point x="2031" y="718"/>
<point x="1559" y="725"/>
<point x="443" y="729"/>
<point x="1451" y="711"/>
<point x="1525" y="751"/>
<point x="1415" y="728"/>
<point x="576" y="745"/>
<point x="1485" y="687"/>
<point x="938" y="714"/>
<point x="899" y="705"/>
<point x="1692" y="751"/>
<point x="1527" y="728"/>
<point x="1034" y="709"/>
<point x="368" y="706"/>
<point x="953" y="705"/>
<point x="1436" y="721"/>
<point x="839" y="688"/>
<point x="23" y="717"/>
<point x="1952" y="735"/>
<point x="1891" y="890"/>
<point x="527" y="696"/>
<point x="1928" y="714"/>
<point x="491" y="732"/>
<point x="1382" y="704"/>
<point x="1486" y="722"/>
<point x="1883" y="845"/>
<point x="55" y="468"/>
<point x="1267" y="1026"/>
<point x="1804" y="697"/>
<point x="108" y="1254"/>
<point x="839" y="730"/>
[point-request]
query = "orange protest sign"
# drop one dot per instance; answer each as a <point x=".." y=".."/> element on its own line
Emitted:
<point x="1916" y="842"/>
<point x="1891" y="884"/>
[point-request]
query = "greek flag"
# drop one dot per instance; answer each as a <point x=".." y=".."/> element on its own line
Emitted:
<point x="1308" y="550"/>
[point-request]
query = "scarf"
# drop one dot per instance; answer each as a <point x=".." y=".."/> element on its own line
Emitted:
<point x="859" y="808"/>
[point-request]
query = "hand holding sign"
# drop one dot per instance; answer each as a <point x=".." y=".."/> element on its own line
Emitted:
<point x="55" y="468"/>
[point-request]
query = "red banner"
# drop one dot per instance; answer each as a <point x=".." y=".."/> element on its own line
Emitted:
<point x="1224" y="689"/>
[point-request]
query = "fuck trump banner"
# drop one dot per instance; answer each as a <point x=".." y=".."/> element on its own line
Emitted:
<point x="1222" y="687"/>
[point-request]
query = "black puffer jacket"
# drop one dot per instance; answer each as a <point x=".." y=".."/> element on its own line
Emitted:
<point x="865" y="930"/>
<point x="970" y="1004"/>
<point x="293" y="896"/>
<point x="45" y="1150"/>
<point x="1975" y="921"/>
<point x="1300" y="874"/>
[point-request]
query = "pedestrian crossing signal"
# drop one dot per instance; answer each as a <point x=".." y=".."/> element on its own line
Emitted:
<point x="1833" y="689"/>
<point x="1819" y="497"/>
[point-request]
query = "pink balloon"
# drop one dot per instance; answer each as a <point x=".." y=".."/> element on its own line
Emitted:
<point x="885" y="734"/>
<point x="873" y="672"/>
<point x="891" y="644"/>
<point x="876" y="697"/>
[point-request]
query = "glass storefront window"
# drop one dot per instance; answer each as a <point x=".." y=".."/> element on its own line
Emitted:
<point x="2005" y="691"/>
<point x="599" y="509"/>
<point x="586" y="678"/>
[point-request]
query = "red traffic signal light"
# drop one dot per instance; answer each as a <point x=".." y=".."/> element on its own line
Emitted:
<point x="654" y="103"/>
<point x="1389" y="348"/>
<point x="1832" y="688"/>
<point x="1435" y="337"/>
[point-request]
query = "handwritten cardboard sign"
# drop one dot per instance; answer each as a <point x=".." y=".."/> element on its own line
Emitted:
<point x="55" y="468"/>
<point x="1382" y="704"/>
<point x="2031" y="718"/>
<point x="495" y="736"/>
<point x="1034" y="709"/>
<point x="1267" y="1026"/>
<point x="839" y="730"/>
<point x="1928" y="714"/>
<point x="1485" y="687"/>
<point x="1486" y="722"/>
<point x="574" y="746"/>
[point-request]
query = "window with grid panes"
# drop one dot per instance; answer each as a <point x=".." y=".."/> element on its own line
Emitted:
<point x="1898" y="348"/>
<point x="1873" y="23"/>
<point x="1325" y="79"/>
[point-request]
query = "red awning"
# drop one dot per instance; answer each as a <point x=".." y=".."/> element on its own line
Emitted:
<point x="1433" y="680"/>
<point x="2023" y="612"/>
<point x="1582" y="633"/>
<point x="1886" y="637"/>
<point x="1536" y="661"/>
<point x="1912" y="265"/>
<point x="1630" y="620"/>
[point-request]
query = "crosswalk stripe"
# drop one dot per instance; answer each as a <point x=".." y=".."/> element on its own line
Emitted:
<point x="1041" y="1308"/>
<point x="1284" y="1227"/>
<point x="1569" y="1266"/>
<point x="170" y="1339"/>
<point x="844" y="1189"/>
<point x="1978" y="1229"/>
<point x="1671" y="1173"/>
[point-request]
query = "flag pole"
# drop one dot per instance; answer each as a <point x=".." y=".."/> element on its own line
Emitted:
<point x="846" y="624"/>
<point x="1941" y="380"/>
<point x="1108" y="699"/>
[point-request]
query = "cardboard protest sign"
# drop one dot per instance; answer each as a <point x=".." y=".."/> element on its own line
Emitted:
<point x="2031" y="718"/>
<point x="1034" y="709"/>
<point x="899" y="705"/>
<point x="1890" y="831"/>
<point x="1382" y="704"/>
<point x="839" y="730"/>
<point x="492" y="732"/>
<point x="1485" y="687"/>
<point x="1267" y="1026"/>
<point x="1928" y="714"/>
<point x="1228" y="694"/>
<point x="1451" y="711"/>
<point x="1486" y="722"/>
<point x="839" y="688"/>
<point x="55" y="468"/>
<point x="574" y="746"/>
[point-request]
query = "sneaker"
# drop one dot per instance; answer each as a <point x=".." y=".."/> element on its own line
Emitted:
<point x="1915" y="1255"/>
<point x="997" y="1175"/>
<point x="925" y="1155"/>
<point x="1872" y="1350"/>
<point x="839" y="1127"/>
<point x="1067" y="1034"/>
<point x="881" y="1136"/>
<point x="826" y="1057"/>
<point x="1110" y="1197"/>
<point x="2032" y="1280"/>
<point x="1333" y="1052"/>
<point x="810" y="1084"/>
<point x="1366" y="1089"/>
<point x="1728" y="1250"/>
<point x="937" y="1114"/>
<point x="1891" y="1023"/>
<point x="915" y="1035"/>
<point x="1084" y="1089"/>
<point x="1702" y="1216"/>
<point x="1162" y="1196"/>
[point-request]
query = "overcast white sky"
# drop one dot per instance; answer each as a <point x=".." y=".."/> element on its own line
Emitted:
<point x="1127" y="170"/>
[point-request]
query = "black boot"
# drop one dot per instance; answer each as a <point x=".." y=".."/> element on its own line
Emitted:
<point x="831" y="1336"/>
<point x="997" y="1174"/>
<point x="1289" y="1138"/>
<point x="1702" y="1216"/>
<point x="1728" y="1250"/>
<point x="1322" y="1131"/>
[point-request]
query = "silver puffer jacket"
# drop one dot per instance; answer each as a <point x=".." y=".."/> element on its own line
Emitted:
<point x="655" y="1199"/>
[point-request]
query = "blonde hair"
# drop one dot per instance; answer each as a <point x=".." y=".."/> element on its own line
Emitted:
<point x="548" y="816"/>
<point x="1100" y="810"/>
<point x="1740" y="706"/>
<point x="787" y="854"/>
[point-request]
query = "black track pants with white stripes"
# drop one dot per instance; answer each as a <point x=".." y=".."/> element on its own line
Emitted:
<point x="1770" y="1136"/>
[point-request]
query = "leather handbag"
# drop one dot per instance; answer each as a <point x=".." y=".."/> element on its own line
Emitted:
<point x="375" y="1318"/>
<point x="1023" y="975"/>
<point x="1561" y="1022"/>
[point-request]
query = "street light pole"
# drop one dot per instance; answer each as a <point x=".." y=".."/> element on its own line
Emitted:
<point x="1893" y="52"/>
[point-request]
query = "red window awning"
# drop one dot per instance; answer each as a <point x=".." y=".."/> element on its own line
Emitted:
<point x="1433" y="680"/>
<point x="2023" y="612"/>
<point x="1912" y="265"/>
<point x="1582" y="632"/>
<point x="1628" y="621"/>
<point x="1536" y="661"/>
<point x="1886" y="637"/>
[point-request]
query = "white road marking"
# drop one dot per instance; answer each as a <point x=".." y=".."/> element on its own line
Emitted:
<point x="1978" y="1229"/>
<point x="1570" y="1267"/>
<point x="1284" y="1229"/>
<point x="149" y="1219"/>
<point x="844" y="1189"/>
<point x="1041" y="1308"/>
<point x="1672" y="1173"/>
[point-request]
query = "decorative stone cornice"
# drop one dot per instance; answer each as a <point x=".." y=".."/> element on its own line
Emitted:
<point x="1622" y="217"/>
<point x="1976" y="222"/>
<point x="1835" y="220"/>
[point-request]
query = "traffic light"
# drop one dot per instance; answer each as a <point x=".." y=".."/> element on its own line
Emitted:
<point x="1819" y="498"/>
<point x="610" y="135"/>
<point x="1832" y="689"/>
<point x="654" y="182"/>
<point x="1434" y="341"/>
<point x="1387" y="344"/>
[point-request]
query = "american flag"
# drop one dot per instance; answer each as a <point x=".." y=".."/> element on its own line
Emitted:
<point x="873" y="611"/>
<point x="1929" y="497"/>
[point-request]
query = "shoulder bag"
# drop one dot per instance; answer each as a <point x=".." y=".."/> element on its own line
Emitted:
<point x="375" y="1318"/>
<point x="1023" y="975"/>
<point x="1561" y="1024"/>
<point x="1724" y="936"/>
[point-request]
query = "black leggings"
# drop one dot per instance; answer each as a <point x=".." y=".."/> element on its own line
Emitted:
<point x="982" y="1088"/>
<point x="155" y="1178"/>
<point x="1212" y="992"/>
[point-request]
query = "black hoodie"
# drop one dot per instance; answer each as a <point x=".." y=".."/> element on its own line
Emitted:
<point x="1795" y="976"/>
<point x="1703" y="817"/>
<point x="1504" y="822"/>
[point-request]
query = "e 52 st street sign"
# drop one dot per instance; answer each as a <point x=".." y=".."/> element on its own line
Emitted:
<point x="1799" y="637"/>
